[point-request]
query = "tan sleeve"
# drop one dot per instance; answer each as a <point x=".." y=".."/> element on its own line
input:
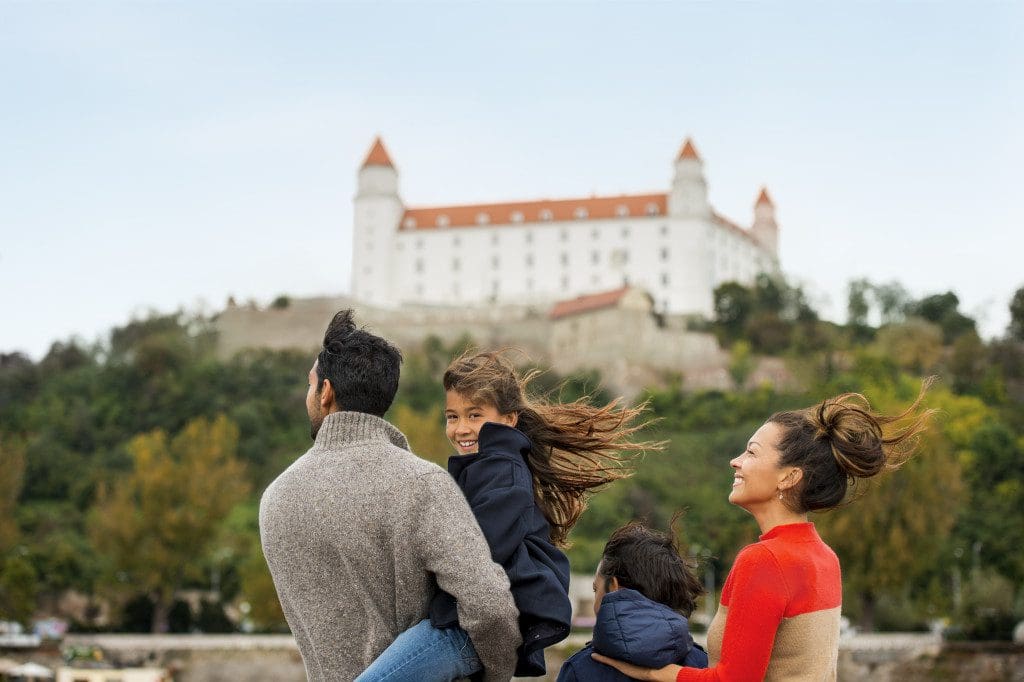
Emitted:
<point x="453" y="548"/>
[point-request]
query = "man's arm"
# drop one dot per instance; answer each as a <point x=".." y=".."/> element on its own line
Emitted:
<point x="453" y="548"/>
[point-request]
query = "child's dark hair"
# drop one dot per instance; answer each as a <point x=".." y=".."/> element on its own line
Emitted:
<point x="577" y="447"/>
<point x="649" y="562"/>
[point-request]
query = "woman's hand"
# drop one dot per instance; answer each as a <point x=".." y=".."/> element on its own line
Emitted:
<point x="666" y="674"/>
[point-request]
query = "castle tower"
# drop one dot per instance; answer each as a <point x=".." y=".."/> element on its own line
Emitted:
<point x="765" y="229"/>
<point x="378" y="212"/>
<point x="689" y="196"/>
<point x="690" y="249"/>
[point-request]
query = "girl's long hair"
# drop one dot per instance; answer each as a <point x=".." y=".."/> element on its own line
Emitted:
<point x="577" y="447"/>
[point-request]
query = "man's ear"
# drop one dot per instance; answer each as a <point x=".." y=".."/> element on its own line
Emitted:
<point x="327" y="396"/>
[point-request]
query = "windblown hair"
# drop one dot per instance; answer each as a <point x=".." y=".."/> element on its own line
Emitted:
<point x="651" y="563"/>
<point x="841" y="440"/>
<point x="577" y="447"/>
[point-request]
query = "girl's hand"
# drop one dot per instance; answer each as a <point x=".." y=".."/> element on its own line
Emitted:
<point x="666" y="674"/>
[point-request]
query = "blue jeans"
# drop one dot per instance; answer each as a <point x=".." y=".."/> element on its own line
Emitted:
<point x="424" y="653"/>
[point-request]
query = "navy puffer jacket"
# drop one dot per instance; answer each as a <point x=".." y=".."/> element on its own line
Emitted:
<point x="499" y="487"/>
<point x="632" y="628"/>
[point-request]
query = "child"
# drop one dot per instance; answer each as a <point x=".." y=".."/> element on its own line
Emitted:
<point x="526" y="467"/>
<point x="643" y="592"/>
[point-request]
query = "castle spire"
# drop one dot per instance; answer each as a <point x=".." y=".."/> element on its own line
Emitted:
<point x="763" y="198"/>
<point x="378" y="156"/>
<point x="688" y="151"/>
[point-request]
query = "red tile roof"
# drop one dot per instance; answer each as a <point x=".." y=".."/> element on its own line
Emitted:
<point x="763" y="198"/>
<point x="587" y="303"/>
<point x="378" y="156"/>
<point x="544" y="210"/>
<point x="688" y="151"/>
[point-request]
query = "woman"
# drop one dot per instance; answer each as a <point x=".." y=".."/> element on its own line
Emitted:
<point x="780" y="607"/>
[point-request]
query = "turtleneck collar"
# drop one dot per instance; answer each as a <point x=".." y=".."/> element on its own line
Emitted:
<point x="795" y="532"/>
<point x="342" y="428"/>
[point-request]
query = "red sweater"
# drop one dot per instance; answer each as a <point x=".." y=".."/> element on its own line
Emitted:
<point x="779" y="616"/>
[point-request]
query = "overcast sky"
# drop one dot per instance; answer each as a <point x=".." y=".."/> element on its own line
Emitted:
<point x="166" y="155"/>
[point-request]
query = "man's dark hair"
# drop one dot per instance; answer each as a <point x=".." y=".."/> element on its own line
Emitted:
<point x="363" y="368"/>
<point x="649" y="562"/>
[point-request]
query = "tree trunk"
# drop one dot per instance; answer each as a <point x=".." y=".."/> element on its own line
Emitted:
<point x="161" y="613"/>
<point x="867" y="616"/>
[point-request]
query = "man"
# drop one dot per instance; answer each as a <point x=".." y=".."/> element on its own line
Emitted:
<point x="359" y="533"/>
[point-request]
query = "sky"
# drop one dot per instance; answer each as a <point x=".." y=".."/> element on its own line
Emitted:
<point x="166" y="155"/>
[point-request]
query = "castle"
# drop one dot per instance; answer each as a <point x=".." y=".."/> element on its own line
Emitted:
<point x="673" y="245"/>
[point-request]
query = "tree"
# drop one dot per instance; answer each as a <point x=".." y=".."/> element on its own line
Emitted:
<point x="914" y="345"/>
<point x="1016" y="329"/>
<point x="942" y="309"/>
<point x="12" y="468"/>
<point x="154" y="522"/>
<point x="892" y="300"/>
<point x="733" y="305"/>
<point x="18" y="579"/>
<point x="857" y="307"/>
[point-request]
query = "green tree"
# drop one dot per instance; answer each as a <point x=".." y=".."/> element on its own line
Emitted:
<point x="154" y="522"/>
<point x="893" y="533"/>
<point x="942" y="309"/>
<point x="857" y="307"/>
<point x="734" y="304"/>
<point x="1016" y="328"/>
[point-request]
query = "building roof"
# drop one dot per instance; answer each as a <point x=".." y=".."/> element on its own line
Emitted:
<point x="688" y="151"/>
<point x="763" y="198"/>
<point x="544" y="210"/>
<point x="378" y="156"/>
<point x="587" y="303"/>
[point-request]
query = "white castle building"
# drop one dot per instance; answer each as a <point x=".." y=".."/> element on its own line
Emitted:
<point x="674" y="245"/>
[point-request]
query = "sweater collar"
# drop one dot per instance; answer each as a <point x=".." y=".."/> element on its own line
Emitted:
<point x="342" y="428"/>
<point x="795" y="532"/>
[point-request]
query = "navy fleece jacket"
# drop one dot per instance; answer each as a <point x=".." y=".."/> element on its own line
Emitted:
<point x="632" y="628"/>
<point x="499" y="487"/>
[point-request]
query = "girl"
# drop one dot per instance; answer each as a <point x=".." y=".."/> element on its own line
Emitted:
<point x="780" y="607"/>
<point x="526" y="468"/>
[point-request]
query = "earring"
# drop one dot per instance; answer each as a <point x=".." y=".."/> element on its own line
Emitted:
<point x="780" y="494"/>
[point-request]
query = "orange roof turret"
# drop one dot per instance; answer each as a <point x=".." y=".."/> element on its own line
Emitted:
<point x="763" y="198"/>
<point x="689" y="151"/>
<point x="378" y="156"/>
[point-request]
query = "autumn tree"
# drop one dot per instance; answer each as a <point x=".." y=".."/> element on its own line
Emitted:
<point x="893" y="531"/>
<point x="17" y="576"/>
<point x="156" y="522"/>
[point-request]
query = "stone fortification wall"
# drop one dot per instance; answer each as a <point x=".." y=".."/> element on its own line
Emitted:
<point x="628" y="344"/>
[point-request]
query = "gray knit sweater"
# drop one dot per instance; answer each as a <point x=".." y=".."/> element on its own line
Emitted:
<point x="359" y="533"/>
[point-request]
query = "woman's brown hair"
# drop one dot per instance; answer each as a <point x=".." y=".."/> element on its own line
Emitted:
<point x="842" y="439"/>
<point x="577" y="447"/>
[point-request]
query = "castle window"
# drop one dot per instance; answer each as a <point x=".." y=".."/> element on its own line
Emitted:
<point x="580" y="212"/>
<point x="565" y="282"/>
<point x="529" y="237"/>
<point x="595" y="233"/>
<point x="419" y="243"/>
<point x="620" y="257"/>
<point x="625" y="232"/>
<point x="664" y="279"/>
<point x="529" y="284"/>
<point x="419" y="265"/>
<point x="529" y="260"/>
<point x="663" y="230"/>
<point x="482" y="218"/>
<point x="517" y="216"/>
<point x="651" y="209"/>
<point x="455" y="264"/>
<point x="664" y="254"/>
<point x="595" y="257"/>
<point x="564" y="234"/>
<point x="495" y="261"/>
<point x="410" y="223"/>
<point x="443" y="221"/>
<point x="545" y="214"/>
<point x="456" y="241"/>
<point x="565" y="258"/>
<point x="494" y="238"/>
<point x="622" y="210"/>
